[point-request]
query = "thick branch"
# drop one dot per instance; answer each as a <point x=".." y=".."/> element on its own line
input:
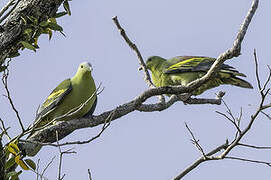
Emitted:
<point x="65" y="128"/>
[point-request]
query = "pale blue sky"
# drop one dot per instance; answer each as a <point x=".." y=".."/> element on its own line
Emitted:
<point x="146" y="146"/>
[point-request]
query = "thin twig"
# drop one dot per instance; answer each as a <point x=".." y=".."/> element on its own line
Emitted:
<point x="200" y="160"/>
<point x="257" y="70"/>
<point x="268" y="79"/>
<point x="240" y="117"/>
<point x="47" y="166"/>
<point x="253" y="146"/>
<point x="235" y="125"/>
<point x="195" y="141"/>
<point x="5" y="83"/>
<point x="249" y="160"/>
<point x="89" y="175"/>
<point x="37" y="169"/>
<point x="229" y="111"/>
<point x="267" y="115"/>
<point x="61" y="157"/>
<point x="134" y="47"/>
<point x="4" y="129"/>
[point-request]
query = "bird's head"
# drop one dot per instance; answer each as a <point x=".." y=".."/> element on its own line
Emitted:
<point x="154" y="61"/>
<point x="85" y="67"/>
<point x="84" y="70"/>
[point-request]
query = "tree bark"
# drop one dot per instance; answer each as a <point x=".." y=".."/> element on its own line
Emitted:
<point x="12" y="28"/>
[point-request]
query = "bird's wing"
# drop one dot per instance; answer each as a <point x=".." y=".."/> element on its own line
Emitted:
<point x="56" y="96"/>
<point x="183" y="64"/>
<point x="92" y="109"/>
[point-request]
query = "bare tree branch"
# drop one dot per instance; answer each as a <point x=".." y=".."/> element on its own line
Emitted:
<point x="61" y="153"/>
<point x="224" y="115"/>
<point x="267" y="115"/>
<point x="89" y="175"/>
<point x="105" y="126"/>
<point x="249" y="160"/>
<point x="64" y="128"/>
<point x="134" y="47"/>
<point x="46" y="167"/>
<point x="4" y="129"/>
<point x="257" y="71"/>
<point x="5" y="83"/>
<point x="253" y="146"/>
<point x="195" y="141"/>
<point x="235" y="50"/>
<point x="201" y="160"/>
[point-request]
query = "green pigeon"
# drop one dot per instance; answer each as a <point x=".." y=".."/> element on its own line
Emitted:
<point x="182" y="70"/>
<point x="72" y="98"/>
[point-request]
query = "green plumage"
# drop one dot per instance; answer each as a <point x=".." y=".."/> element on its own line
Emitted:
<point x="66" y="101"/>
<point x="182" y="70"/>
<point x="68" y="96"/>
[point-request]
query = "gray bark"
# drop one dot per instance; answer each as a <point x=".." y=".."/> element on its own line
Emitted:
<point x="12" y="28"/>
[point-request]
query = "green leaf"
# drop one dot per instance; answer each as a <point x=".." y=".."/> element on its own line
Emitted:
<point x="60" y="14"/>
<point x="10" y="174"/>
<point x="24" y="20"/>
<point x="30" y="163"/>
<point x="67" y="7"/>
<point x="28" y="31"/>
<point x="15" y="175"/>
<point x="10" y="163"/>
<point x="50" y="33"/>
<point x="53" y="20"/>
<point x="44" y="23"/>
<point x="15" y="54"/>
<point x="2" y="68"/>
<point x="28" y="45"/>
<point x="55" y="26"/>
<point x="33" y="19"/>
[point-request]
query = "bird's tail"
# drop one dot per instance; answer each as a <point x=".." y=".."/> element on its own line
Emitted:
<point x="237" y="82"/>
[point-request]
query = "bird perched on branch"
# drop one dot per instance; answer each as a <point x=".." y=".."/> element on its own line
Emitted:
<point x="182" y="70"/>
<point x="72" y="98"/>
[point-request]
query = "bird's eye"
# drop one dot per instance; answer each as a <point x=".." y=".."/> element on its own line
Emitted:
<point x="82" y="66"/>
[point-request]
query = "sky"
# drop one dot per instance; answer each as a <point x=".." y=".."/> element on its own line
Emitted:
<point x="146" y="145"/>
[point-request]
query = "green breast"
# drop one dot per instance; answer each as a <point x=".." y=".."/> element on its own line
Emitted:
<point x="77" y="103"/>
